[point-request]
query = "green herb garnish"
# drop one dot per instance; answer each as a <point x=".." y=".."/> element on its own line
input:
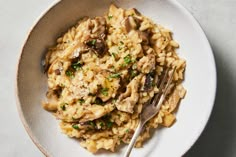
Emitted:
<point x="121" y="42"/>
<point x="101" y="124"/>
<point x="92" y="123"/>
<point x="74" y="118"/>
<point x="69" y="73"/>
<point x="134" y="66"/>
<point x="127" y="130"/>
<point x="92" y="94"/>
<point x="127" y="59"/>
<point x="114" y="100"/>
<point x="75" y="126"/>
<point x="133" y="73"/>
<point x="98" y="101"/>
<point x="76" y="66"/>
<point x="110" y="17"/>
<point x="109" y="124"/>
<point x="63" y="106"/>
<point x="123" y="65"/>
<point x="104" y="91"/>
<point x="81" y="101"/>
<point x="114" y="75"/>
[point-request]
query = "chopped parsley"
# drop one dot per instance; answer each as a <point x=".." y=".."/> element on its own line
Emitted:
<point x="123" y="65"/>
<point x="92" y="124"/>
<point x="110" y="17"/>
<point x="117" y="75"/>
<point x="81" y="101"/>
<point x="76" y="66"/>
<point x="114" y="100"/>
<point x="101" y="124"/>
<point x="127" y="59"/>
<point x="69" y="73"/>
<point x="92" y="94"/>
<point x="121" y="42"/>
<point x="133" y="73"/>
<point x="109" y="124"/>
<point x="62" y="85"/>
<point x="114" y="54"/>
<point x="127" y="130"/>
<point x="75" y="126"/>
<point x="134" y="66"/>
<point x="63" y="106"/>
<point x="98" y="101"/>
<point x="73" y="118"/>
<point x="93" y="42"/>
<point x="104" y="91"/>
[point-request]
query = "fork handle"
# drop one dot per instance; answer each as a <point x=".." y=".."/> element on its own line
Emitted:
<point x="134" y="138"/>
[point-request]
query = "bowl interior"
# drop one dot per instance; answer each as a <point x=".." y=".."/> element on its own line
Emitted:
<point x="200" y="77"/>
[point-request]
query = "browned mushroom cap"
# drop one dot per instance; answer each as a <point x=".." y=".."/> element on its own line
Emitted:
<point x="144" y="37"/>
<point x="52" y="99"/>
<point x="148" y="82"/>
<point x="129" y="23"/>
<point x="97" y="45"/>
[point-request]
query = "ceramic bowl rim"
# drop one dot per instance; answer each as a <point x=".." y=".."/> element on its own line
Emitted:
<point x="36" y="22"/>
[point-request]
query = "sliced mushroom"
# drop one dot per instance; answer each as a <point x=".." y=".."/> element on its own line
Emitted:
<point x="96" y="111"/>
<point x="77" y="50"/>
<point x="57" y="72"/>
<point x="98" y="46"/>
<point x="134" y="12"/>
<point x="144" y="36"/>
<point x="127" y="100"/>
<point x="148" y="82"/>
<point x="85" y="113"/>
<point x="52" y="99"/>
<point x="175" y="97"/>
<point x="146" y="64"/>
<point x="129" y="23"/>
<point x="99" y="28"/>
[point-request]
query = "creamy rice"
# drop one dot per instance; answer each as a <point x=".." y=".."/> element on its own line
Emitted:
<point x="101" y="73"/>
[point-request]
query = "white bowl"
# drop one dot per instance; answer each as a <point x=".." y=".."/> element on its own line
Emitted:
<point x="200" y="78"/>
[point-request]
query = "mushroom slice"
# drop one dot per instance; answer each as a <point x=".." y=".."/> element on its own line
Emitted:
<point x="52" y="99"/>
<point x="96" y="111"/>
<point x="97" y="45"/>
<point x="99" y="27"/>
<point x="129" y="23"/>
<point x="174" y="99"/>
<point x="84" y="113"/>
<point x="127" y="100"/>
<point x="144" y="36"/>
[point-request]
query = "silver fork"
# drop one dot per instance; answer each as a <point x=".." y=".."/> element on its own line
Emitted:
<point x="151" y="109"/>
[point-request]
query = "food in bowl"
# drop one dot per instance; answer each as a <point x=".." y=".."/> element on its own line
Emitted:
<point x="104" y="70"/>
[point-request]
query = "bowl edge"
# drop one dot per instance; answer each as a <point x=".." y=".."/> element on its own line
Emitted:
<point x="16" y="89"/>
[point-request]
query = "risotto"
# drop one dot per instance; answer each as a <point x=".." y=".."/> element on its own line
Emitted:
<point x="102" y="72"/>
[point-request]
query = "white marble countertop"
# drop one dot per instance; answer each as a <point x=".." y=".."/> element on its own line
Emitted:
<point x="218" y="19"/>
